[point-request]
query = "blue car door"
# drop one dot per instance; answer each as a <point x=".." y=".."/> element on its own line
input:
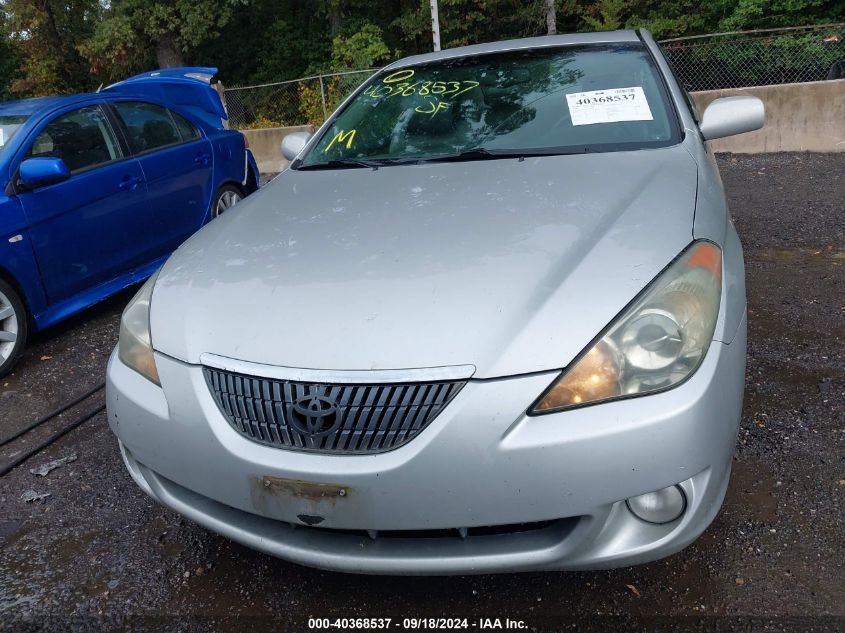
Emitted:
<point x="90" y="228"/>
<point x="178" y="164"/>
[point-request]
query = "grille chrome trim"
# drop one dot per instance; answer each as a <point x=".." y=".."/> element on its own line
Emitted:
<point x="339" y="376"/>
<point x="373" y="418"/>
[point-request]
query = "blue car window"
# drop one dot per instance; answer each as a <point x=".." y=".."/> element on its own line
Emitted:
<point x="149" y="126"/>
<point x="82" y="139"/>
<point x="186" y="129"/>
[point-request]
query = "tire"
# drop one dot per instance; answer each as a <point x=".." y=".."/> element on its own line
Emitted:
<point x="13" y="328"/>
<point x="227" y="197"/>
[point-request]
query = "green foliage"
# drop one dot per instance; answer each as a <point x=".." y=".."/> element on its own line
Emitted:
<point x="55" y="46"/>
<point x="465" y="22"/>
<point x="116" y="49"/>
<point x="47" y="36"/>
<point x="133" y="33"/>
<point x="335" y="89"/>
<point x="311" y="103"/>
<point x="607" y="15"/>
<point x="755" y="14"/>
<point x="262" y="122"/>
<point x="363" y="49"/>
<point x="9" y="60"/>
<point x="762" y="61"/>
<point x="413" y="24"/>
<point x="679" y="18"/>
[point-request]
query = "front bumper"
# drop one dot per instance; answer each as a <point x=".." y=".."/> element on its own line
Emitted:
<point x="481" y="463"/>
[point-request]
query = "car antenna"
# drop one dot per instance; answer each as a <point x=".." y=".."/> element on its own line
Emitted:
<point x="100" y="87"/>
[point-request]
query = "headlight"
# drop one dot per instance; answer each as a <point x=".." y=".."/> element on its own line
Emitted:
<point x="134" y="348"/>
<point x="659" y="340"/>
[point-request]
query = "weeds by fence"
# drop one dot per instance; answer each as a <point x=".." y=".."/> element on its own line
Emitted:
<point x="705" y="62"/>
<point x="297" y="102"/>
<point x="756" y="58"/>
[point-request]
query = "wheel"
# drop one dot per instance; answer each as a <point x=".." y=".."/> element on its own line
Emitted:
<point x="13" y="326"/>
<point x="227" y="197"/>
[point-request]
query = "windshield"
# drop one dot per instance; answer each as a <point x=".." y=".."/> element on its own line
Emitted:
<point x="8" y="126"/>
<point x="542" y="101"/>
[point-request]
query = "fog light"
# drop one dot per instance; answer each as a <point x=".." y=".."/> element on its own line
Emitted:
<point x="660" y="506"/>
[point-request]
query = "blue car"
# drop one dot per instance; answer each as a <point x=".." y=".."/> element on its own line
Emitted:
<point x="96" y="190"/>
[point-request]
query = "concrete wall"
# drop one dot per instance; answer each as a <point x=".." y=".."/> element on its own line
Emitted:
<point x="266" y="146"/>
<point x="806" y="117"/>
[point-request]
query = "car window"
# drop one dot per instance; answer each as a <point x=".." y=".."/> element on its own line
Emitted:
<point x="9" y="125"/>
<point x="151" y="126"/>
<point x="186" y="129"/>
<point x="574" y="98"/>
<point x="82" y="139"/>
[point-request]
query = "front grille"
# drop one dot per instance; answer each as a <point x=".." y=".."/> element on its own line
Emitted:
<point x="453" y="533"/>
<point x="329" y="418"/>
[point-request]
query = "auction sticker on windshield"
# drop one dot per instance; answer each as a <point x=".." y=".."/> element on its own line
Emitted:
<point x="608" y="106"/>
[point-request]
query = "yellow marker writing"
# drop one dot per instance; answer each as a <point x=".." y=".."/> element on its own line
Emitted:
<point x="434" y="106"/>
<point x="340" y="138"/>
<point x="399" y="75"/>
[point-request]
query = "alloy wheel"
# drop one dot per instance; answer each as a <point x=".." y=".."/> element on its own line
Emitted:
<point x="227" y="200"/>
<point x="8" y="327"/>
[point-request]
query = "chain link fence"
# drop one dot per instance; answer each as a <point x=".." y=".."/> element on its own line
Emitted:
<point x="704" y="62"/>
<point x="758" y="58"/>
<point x="297" y="102"/>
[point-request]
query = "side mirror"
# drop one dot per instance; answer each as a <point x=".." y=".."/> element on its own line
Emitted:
<point x="732" y="115"/>
<point x="40" y="172"/>
<point x="293" y="143"/>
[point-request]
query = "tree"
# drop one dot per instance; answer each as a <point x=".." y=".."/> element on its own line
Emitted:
<point x="551" y="17"/>
<point x="679" y="18"/>
<point x="335" y="13"/>
<point x="57" y="46"/>
<point x="9" y="60"/>
<point x="755" y="14"/>
<point x="47" y="35"/>
<point x="471" y="21"/>
<point x="364" y="49"/>
<point x="134" y="32"/>
<point x="609" y="16"/>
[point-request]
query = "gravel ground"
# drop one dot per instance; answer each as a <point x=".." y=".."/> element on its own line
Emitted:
<point x="97" y="554"/>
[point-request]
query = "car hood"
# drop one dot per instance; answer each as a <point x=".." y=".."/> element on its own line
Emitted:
<point x="509" y="265"/>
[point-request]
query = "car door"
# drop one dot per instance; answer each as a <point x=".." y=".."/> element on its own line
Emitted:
<point x="178" y="163"/>
<point x="90" y="228"/>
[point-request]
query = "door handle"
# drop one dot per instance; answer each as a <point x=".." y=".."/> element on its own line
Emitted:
<point x="129" y="183"/>
<point x="202" y="159"/>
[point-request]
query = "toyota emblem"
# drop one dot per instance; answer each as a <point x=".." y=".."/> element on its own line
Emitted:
<point x="314" y="415"/>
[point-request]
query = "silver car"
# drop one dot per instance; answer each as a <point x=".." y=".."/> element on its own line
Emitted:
<point x="491" y="319"/>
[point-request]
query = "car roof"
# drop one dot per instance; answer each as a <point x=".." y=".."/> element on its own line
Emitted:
<point x="605" y="37"/>
<point x="39" y="104"/>
<point x="167" y="85"/>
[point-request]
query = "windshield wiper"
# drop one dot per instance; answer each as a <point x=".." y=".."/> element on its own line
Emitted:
<point x="336" y="163"/>
<point x="481" y="153"/>
<point x="475" y="153"/>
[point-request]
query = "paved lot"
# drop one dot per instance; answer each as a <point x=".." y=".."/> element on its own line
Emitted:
<point x="98" y="554"/>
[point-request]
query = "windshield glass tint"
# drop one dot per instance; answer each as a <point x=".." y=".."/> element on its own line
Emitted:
<point x="585" y="98"/>
<point x="8" y="126"/>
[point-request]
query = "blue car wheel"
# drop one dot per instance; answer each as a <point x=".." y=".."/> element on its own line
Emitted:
<point x="13" y="327"/>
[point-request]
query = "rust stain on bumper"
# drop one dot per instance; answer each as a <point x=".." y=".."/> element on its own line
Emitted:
<point x="305" y="490"/>
<point x="297" y="500"/>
